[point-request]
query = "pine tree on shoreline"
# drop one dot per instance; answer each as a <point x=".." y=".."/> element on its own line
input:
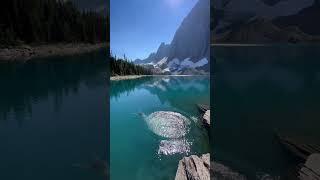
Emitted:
<point x="49" y="21"/>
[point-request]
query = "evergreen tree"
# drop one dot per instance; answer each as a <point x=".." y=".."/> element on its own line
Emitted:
<point x="49" y="21"/>
<point x="121" y="67"/>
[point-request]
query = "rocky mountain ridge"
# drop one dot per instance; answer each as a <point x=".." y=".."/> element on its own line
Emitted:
<point x="189" y="51"/>
<point x="245" y="26"/>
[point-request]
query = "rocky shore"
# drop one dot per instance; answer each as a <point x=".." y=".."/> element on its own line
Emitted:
<point x="26" y="52"/>
<point x="194" y="168"/>
<point x="200" y="168"/>
<point x="310" y="170"/>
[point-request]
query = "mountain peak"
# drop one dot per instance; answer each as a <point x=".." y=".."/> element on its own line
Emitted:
<point x="190" y="48"/>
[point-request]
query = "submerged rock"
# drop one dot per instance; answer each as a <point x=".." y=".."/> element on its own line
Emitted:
<point x="168" y="124"/>
<point x="194" y="168"/>
<point x="174" y="146"/>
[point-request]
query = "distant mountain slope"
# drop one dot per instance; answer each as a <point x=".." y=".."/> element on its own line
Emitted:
<point x="189" y="51"/>
<point x="304" y="19"/>
<point x="263" y="8"/>
<point x="265" y="21"/>
<point x="162" y="52"/>
<point x="263" y="31"/>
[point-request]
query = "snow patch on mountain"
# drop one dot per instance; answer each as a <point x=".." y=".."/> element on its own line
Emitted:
<point x="176" y="66"/>
<point x="162" y="61"/>
<point x="189" y="49"/>
<point x="186" y="63"/>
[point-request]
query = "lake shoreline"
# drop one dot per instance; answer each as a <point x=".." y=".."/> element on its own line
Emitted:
<point x="127" y="77"/>
<point x="27" y="52"/>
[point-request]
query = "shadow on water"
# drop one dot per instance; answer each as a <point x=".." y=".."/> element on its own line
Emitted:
<point x="23" y="84"/>
<point x="259" y="90"/>
<point x="53" y="118"/>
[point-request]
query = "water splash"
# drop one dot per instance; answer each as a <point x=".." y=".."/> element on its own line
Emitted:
<point x="168" y="124"/>
<point x="174" y="146"/>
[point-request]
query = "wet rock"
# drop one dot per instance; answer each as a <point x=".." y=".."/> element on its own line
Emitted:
<point x="194" y="168"/>
<point x="311" y="169"/>
<point x="206" y="118"/>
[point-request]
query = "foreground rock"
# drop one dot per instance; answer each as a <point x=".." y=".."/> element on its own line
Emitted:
<point x="200" y="168"/>
<point x="206" y="118"/>
<point x="311" y="169"/>
<point x="194" y="168"/>
<point x="23" y="53"/>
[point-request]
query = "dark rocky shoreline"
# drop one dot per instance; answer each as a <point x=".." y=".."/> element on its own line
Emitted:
<point x="27" y="52"/>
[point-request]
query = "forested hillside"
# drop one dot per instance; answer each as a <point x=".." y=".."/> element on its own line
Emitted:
<point x="122" y="67"/>
<point x="49" y="21"/>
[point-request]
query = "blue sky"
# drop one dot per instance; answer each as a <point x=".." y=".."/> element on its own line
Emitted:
<point x="139" y="26"/>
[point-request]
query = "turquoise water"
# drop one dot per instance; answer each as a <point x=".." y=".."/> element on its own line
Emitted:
<point x="134" y="146"/>
<point x="259" y="90"/>
<point x="53" y="118"/>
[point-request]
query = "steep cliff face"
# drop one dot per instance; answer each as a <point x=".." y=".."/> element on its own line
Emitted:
<point x="189" y="51"/>
<point x="192" y="38"/>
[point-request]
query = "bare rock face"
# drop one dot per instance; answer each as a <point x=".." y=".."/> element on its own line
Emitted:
<point x="189" y="50"/>
<point x="192" y="38"/>
<point x="311" y="169"/>
<point x="194" y="168"/>
<point x="206" y="118"/>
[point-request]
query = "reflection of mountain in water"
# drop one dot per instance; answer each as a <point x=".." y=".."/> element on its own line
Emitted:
<point x="174" y="90"/>
<point x="126" y="86"/>
<point x="169" y="89"/>
<point x="25" y="84"/>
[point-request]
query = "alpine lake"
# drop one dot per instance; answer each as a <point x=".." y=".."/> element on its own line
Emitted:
<point x="144" y="143"/>
<point x="54" y="118"/>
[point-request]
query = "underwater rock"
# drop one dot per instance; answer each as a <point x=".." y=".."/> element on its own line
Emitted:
<point x="168" y="124"/>
<point x="194" y="168"/>
<point x="174" y="146"/>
